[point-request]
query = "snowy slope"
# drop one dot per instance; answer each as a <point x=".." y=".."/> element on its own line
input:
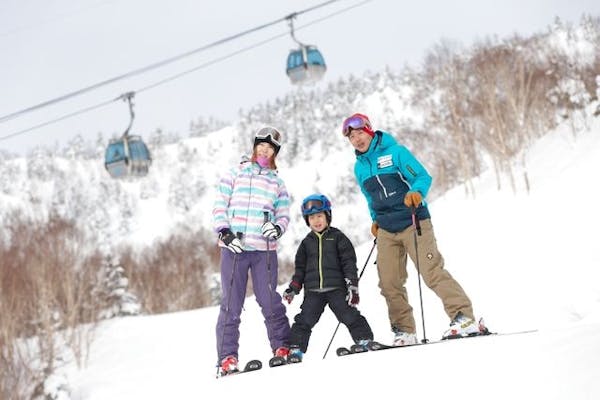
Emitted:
<point x="528" y="261"/>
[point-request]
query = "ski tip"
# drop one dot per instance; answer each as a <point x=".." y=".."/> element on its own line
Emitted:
<point x="342" y="351"/>
<point x="357" y="348"/>
<point x="277" y="361"/>
<point x="253" y="365"/>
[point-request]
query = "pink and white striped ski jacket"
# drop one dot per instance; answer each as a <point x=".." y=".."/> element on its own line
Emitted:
<point x="243" y="195"/>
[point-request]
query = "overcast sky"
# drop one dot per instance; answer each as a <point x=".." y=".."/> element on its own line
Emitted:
<point x="54" y="47"/>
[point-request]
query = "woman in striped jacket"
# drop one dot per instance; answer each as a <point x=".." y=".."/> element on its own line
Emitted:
<point x="251" y="212"/>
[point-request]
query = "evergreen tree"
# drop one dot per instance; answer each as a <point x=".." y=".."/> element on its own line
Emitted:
<point x="115" y="293"/>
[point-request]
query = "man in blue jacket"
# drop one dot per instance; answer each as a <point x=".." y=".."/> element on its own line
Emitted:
<point x="394" y="184"/>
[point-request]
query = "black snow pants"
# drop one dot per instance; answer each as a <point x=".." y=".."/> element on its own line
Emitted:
<point x="312" y="308"/>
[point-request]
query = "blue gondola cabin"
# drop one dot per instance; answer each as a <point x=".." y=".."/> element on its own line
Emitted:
<point x="127" y="157"/>
<point x="305" y="65"/>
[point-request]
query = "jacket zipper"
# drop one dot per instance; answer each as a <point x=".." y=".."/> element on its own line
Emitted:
<point x="382" y="186"/>
<point x="320" y="260"/>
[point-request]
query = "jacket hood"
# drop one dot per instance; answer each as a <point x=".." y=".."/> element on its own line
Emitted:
<point x="382" y="140"/>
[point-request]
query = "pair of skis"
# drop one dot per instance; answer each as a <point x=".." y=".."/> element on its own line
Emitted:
<point x="255" y="365"/>
<point x="279" y="361"/>
<point x="252" y="365"/>
<point x="376" y="346"/>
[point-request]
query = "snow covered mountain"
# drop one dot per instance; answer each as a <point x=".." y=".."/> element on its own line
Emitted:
<point x="522" y="248"/>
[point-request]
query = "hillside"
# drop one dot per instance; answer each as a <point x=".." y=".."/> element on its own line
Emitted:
<point x="526" y="260"/>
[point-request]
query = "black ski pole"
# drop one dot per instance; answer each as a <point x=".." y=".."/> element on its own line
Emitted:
<point x="266" y="219"/>
<point x="235" y="257"/>
<point x="417" y="231"/>
<point x="359" y="276"/>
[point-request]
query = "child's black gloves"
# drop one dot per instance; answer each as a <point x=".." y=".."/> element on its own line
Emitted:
<point x="352" y="297"/>
<point x="291" y="291"/>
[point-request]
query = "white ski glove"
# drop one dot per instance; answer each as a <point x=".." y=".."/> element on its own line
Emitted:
<point x="270" y="230"/>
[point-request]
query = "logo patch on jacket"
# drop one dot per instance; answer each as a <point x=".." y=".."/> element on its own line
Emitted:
<point x="384" y="161"/>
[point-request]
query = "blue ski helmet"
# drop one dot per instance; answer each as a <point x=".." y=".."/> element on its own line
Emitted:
<point x="316" y="203"/>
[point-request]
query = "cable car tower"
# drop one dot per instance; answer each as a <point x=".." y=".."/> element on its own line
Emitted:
<point x="127" y="156"/>
<point x="305" y="65"/>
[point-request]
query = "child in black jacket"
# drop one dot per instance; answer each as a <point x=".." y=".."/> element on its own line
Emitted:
<point x="326" y="267"/>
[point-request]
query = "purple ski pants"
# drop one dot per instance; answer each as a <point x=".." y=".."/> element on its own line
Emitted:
<point x="234" y="279"/>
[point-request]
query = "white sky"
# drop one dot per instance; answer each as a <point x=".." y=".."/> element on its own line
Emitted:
<point x="54" y="47"/>
<point x="528" y="261"/>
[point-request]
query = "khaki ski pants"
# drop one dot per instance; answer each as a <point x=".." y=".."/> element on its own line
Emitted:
<point x="392" y="249"/>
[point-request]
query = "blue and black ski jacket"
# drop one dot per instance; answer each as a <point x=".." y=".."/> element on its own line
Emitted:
<point x="385" y="173"/>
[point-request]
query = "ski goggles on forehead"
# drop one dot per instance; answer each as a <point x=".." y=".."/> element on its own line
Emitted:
<point x="275" y="136"/>
<point x="313" y="205"/>
<point x="354" y="122"/>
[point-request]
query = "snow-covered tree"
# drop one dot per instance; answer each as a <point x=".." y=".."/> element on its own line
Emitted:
<point x="114" y="290"/>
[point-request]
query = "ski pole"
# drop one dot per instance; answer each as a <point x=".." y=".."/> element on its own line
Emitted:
<point x="417" y="231"/>
<point x="359" y="276"/>
<point x="235" y="257"/>
<point x="269" y="325"/>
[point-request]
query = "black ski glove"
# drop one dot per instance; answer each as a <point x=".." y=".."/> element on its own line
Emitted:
<point x="291" y="291"/>
<point x="232" y="242"/>
<point x="352" y="297"/>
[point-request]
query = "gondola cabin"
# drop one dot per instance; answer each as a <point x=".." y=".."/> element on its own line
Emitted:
<point x="305" y="65"/>
<point x="126" y="157"/>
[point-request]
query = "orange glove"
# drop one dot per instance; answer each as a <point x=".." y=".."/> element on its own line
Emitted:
<point x="374" y="229"/>
<point x="413" y="199"/>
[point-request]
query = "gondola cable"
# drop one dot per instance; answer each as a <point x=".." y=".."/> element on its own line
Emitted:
<point x="152" y="66"/>
<point x="176" y="76"/>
